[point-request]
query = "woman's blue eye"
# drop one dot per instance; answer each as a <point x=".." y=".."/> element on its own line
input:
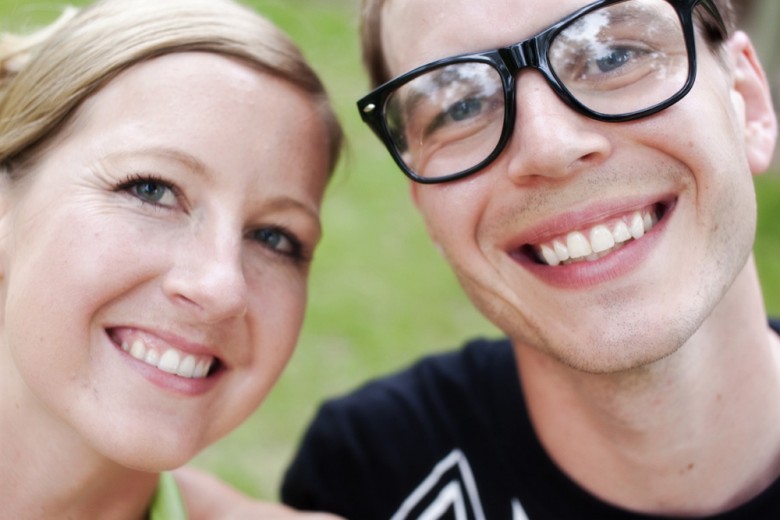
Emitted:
<point x="150" y="191"/>
<point x="279" y="241"/>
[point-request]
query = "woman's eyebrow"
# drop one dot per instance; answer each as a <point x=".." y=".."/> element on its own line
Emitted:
<point x="164" y="152"/>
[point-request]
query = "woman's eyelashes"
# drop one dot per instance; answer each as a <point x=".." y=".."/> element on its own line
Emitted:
<point x="153" y="190"/>
<point x="150" y="189"/>
<point x="282" y="241"/>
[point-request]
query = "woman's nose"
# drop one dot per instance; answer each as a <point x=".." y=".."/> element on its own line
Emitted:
<point x="207" y="277"/>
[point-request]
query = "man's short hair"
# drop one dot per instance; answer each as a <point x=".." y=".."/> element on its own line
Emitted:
<point x="371" y="35"/>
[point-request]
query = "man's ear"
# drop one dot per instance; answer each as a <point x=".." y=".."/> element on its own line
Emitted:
<point x="750" y="84"/>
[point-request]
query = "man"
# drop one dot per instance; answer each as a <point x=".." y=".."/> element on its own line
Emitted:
<point x="591" y="187"/>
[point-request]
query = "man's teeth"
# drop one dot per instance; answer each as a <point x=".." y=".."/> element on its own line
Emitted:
<point x="172" y="361"/>
<point x="600" y="240"/>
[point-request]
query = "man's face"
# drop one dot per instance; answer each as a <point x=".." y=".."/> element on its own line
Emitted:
<point x="679" y="181"/>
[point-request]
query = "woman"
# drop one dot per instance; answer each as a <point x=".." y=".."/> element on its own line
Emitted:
<point x="163" y="164"/>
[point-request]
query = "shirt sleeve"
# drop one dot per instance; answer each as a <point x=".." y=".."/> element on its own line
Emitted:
<point x="327" y="474"/>
<point x="364" y="453"/>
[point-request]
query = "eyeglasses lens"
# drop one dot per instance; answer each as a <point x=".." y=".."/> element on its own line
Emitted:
<point x="620" y="59"/>
<point x="623" y="58"/>
<point x="448" y="119"/>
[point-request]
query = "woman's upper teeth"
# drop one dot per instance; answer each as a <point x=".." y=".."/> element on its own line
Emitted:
<point x="171" y="360"/>
<point x="601" y="239"/>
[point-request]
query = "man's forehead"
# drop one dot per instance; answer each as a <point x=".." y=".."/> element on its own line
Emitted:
<point x="415" y="32"/>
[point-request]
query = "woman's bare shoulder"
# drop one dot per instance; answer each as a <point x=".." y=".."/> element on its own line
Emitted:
<point x="208" y="498"/>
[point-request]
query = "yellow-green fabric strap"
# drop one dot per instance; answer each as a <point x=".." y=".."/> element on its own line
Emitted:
<point x="167" y="503"/>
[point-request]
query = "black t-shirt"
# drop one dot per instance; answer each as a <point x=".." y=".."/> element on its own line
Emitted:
<point x="448" y="438"/>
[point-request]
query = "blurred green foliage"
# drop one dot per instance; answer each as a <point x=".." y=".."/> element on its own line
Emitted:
<point x="380" y="294"/>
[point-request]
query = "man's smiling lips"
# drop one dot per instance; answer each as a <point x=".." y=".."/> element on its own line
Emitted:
<point x="596" y="241"/>
<point x="592" y="241"/>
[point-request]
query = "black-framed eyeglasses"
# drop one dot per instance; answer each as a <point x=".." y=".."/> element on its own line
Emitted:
<point x="612" y="60"/>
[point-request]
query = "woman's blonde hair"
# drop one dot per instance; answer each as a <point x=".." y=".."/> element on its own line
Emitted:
<point x="44" y="77"/>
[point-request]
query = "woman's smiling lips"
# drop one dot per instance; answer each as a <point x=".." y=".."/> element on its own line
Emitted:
<point x="153" y="350"/>
<point x="595" y="250"/>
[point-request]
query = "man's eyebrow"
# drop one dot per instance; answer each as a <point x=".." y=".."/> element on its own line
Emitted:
<point x="642" y="17"/>
<point x="420" y="88"/>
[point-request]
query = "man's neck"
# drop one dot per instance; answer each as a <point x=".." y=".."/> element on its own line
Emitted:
<point x="697" y="432"/>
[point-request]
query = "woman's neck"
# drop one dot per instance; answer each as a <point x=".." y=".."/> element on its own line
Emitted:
<point x="48" y="471"/>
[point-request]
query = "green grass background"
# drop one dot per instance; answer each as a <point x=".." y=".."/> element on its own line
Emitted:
<point x="380" y="294"/>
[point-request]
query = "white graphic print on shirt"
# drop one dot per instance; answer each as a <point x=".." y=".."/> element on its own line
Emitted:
<point x="449" y="491"/>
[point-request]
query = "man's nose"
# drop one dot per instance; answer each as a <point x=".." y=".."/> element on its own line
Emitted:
<point x="549" y="138"/>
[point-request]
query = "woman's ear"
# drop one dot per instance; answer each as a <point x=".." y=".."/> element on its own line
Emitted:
<point x="6" y="193"/>
<point x="750" y="84"/>
<point x="6" y="217"/>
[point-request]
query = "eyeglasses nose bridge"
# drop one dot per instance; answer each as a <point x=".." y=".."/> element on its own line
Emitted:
<point x="530" y="54"/>
<point x="522" y="55"/>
